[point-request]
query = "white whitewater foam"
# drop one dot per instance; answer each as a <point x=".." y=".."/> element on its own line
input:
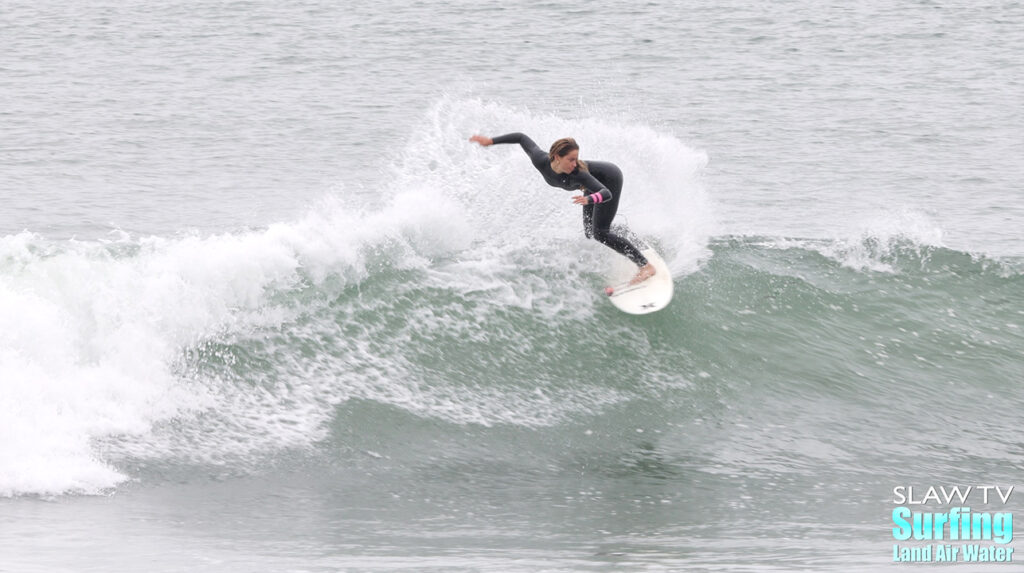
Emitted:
<point x="90" y="331"/>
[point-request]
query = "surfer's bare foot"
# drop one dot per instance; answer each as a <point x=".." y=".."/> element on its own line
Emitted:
<point x="647" y="271"/>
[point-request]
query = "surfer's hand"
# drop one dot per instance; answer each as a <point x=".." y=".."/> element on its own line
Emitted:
<point x="482" y="140"/>
<point x="581" y="200"/>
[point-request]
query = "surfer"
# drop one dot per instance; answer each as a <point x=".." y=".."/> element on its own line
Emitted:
<point x="602" y="181"/>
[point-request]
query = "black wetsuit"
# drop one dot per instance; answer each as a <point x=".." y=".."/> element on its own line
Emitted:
<point x="602" y="180"/>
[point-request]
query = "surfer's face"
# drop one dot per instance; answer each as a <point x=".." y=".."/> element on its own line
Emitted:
<point x="566" y="163"/>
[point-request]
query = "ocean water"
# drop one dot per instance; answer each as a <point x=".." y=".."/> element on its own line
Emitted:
<point x="263" y="307"/>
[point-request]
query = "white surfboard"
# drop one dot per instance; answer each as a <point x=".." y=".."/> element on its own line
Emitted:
<point x="649" y="296"/>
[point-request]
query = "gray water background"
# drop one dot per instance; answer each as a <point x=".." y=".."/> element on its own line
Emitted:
<point x="822" y="123"/>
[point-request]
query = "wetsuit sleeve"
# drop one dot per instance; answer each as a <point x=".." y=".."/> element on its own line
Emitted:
<point x="598" y="192"/>
<point x="538" y="156"/>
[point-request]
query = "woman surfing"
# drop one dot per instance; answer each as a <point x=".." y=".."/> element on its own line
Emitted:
<point x="602" y="181"/>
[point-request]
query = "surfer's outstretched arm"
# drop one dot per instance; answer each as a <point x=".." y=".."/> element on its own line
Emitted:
<point x="538" y="156"/>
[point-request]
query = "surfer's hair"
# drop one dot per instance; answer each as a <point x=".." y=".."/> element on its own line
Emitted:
<point x="562" y="147"/>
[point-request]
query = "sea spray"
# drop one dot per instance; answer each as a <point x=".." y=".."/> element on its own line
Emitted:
<point x="441" y="297"/>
